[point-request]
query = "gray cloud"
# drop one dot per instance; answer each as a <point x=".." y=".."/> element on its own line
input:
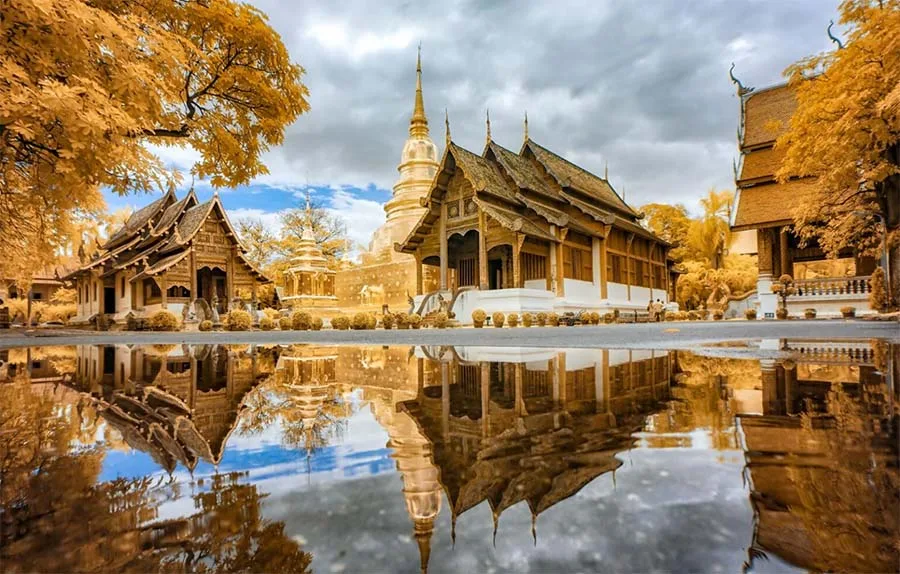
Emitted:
<point x="643" y="86"/>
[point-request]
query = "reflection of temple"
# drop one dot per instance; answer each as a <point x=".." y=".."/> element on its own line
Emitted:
<point x="822" y="458"/>
<point x="532" y="426"/>
<point x="177" y="403"/>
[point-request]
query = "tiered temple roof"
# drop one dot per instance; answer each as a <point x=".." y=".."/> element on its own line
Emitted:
<point x="527" y="192"/>
<point x="157" y="236"/>
<point x="761" y="201"/>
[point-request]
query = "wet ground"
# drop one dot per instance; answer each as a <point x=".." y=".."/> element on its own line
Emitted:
<point x="665" y="335"/>
<point x="773" y="456"/>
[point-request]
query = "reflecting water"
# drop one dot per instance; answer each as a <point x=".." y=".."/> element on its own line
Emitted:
<point x="268" y="459"/>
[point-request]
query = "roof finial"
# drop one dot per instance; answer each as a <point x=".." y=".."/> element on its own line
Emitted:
<point x="418" y="124"/>
<point x="606" y="171"/>
<point x="447" y="125"/>
<point x="834" y="39"/>
<point x="526" y="125"/>
<point x="487" y="113"/>
<point x="741" y="90"/>
<point x="623" y="192"/>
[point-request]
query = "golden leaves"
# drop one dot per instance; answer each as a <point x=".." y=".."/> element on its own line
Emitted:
<point x="85" y="86"/>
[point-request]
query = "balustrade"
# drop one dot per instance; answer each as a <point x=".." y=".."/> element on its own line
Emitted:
<point x="833" y="286"/>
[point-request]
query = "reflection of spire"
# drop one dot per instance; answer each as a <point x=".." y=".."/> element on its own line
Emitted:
<point x="418" y="124"/>
<point x="496" y="516"/>
<point x="534" y="526"/>
<point x="423" y="539"/>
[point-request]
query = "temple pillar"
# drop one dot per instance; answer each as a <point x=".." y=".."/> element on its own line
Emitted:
<point x="554" y="263"/>
<point x="164" y="287"/>
<point x="517" y="260"/>
<point x="482" y="252"/>
<point x="604" y="279"/>
<point x="419" y="274"/>
<point x="193" y="263"/>
<point x="229" y="278"/>
<point x="561" y="378"/>
<point x="768" y="301"/>
<point x="443" y="241"/>
<point x="554" y="378"/>
<point x="560" y="266"/>
<point x="787" y="264"/>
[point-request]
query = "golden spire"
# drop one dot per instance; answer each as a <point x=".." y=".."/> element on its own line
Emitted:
<point x="447" y="125"/>
<point x="487" y="139"/>
<point x="418" y="124"/>
<point x="526" y="125"/>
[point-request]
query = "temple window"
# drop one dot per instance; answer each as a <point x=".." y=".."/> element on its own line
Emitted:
<point x="177" y="291"/>
<point x="577" y="263"/>
<point x="533" y="266"/>
<point x="616" y="268"/>
<point x="152" y="292"/>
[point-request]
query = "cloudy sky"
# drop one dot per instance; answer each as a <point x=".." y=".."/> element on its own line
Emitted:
<point x="641" y="85"/>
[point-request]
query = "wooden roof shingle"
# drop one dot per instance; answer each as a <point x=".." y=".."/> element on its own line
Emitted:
<point x="763" y="110"/>
<point x="770" y="204"/>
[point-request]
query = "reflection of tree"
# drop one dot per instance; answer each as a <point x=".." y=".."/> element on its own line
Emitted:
<point x="51" y="500"/>
<point x="312" y="413"/>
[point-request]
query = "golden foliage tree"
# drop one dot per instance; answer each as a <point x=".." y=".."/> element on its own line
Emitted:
<point x="846" y="129"/>
<point x="329" y="229"/>
<point x="87" y="87"/>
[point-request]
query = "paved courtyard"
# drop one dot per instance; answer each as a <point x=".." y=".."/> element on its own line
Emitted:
<point x="639" y="336"/>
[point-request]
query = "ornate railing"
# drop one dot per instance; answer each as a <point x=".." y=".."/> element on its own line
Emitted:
<point x="835" y="286"/>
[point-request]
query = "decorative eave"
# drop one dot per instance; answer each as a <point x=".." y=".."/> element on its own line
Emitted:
<point x="513" y="220"/>
<point x="102" y="259"/>
<point x="160" y="266"/>
<point x="143" y="216"/>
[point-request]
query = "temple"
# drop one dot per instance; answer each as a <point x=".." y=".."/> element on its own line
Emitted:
<point x="171" y="255"/>
<point x="764" y="206"/>
<point x="531" y="231"/>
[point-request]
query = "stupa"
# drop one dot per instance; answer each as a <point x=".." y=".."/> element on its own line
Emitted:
<point x="308" y="282"/>
<point x="387" y="277"/>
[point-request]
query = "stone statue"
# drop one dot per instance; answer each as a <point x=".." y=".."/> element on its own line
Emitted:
<point x="214" y="311"/>
<point x="202" y="310"/>
<point x="412" y="303"/>
<point x="718" y="299"/>
<point x="443" y="304"/>
<point x="185" y="313"/>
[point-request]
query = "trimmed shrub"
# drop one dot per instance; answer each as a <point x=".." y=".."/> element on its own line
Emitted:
<point x="415" y="320"/>
<point x="284" y="323"/>
<point x="478" y="318"/>
<point x="878" y="298"/>
<point x="271" y="313"/>
<point x="750" y="314"/>
<point x="301" y="320"/>
<point x="671" y="317"/>
<point x="371" y="321"/>
<point x="609" y="318"/>
<point x="513" y="319"/>
<point x="402" y="320"/>
<point x="206" y="325"/>
<point x="317" y="324"/>
<point x="441" y="320"/>
<point x="360" y="322"/>
<point x="781" y="313"/>
<point x="718" y="315"/>
<point x="340" y="323"/>
<point x="387" y="321"/>
<point x="595" y="318"/>
<point x="163" y="321"/>
<point x="693" y="316"/>
<point x="553" y="319"/>
<point x="266" y="323"/>
<point x="527" y="319"/>
<point x="809" y="313"/>
<point x="238" y="320"/>
<point x="498" y="319"/>
<point x="848" y="312"/>
<point x="541" y="319"/>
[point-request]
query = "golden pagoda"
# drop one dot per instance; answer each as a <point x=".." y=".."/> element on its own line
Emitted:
<point x="308" y="282"/>
<point x="387" y="277"/>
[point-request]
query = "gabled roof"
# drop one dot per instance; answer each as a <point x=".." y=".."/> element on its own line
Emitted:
<point x="567" y="174"/>
<point x="770" y="204"/>
<point x="171" y="214"/>
<point x="139" y="219"/>
<point x="524" y="192"/>
<point x="767" y="109"/>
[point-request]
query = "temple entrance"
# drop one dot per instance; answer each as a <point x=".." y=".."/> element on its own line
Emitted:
<point x="109" y="300"/>
<point x="495" y="274"/>
<point x="463" y="255"/>
<point x="211" y="283"/>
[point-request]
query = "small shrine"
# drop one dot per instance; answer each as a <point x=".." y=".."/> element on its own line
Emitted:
<point x="308" y="282"/>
